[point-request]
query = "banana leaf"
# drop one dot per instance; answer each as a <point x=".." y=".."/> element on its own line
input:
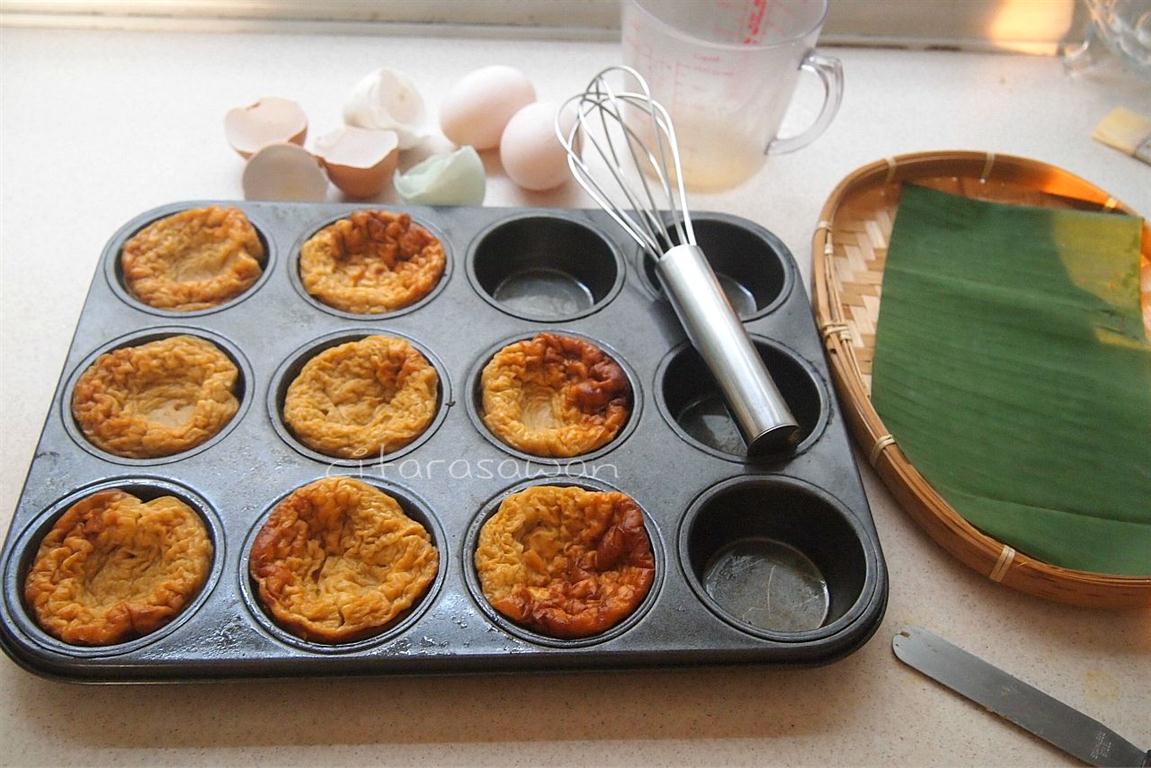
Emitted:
<point x="1013" y="368"/>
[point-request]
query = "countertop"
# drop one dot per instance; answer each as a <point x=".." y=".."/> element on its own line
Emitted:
<point x="97" y="126"/>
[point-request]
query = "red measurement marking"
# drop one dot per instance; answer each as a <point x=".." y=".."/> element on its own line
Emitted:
<point x="755" y="21"/>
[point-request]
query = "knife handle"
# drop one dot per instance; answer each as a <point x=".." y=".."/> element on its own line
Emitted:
<point x="1147" y="759"/>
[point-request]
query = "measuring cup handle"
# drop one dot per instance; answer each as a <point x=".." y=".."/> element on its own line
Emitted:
<point x="830" y="73"/>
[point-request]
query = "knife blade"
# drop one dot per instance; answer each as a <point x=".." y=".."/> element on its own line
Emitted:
<point x="1014" y="700"/>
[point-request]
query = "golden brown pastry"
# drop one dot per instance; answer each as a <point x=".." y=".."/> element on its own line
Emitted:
<point x="371" y="262"/>
<point x="156" y="399"/>
<point x="338" y="560"/>
<point x="114" y="568"/>
<point x="193" y="259"/>
<point x="565" y="562"/>
<point x="363" y="398"/>
<point x="555" y="396"/>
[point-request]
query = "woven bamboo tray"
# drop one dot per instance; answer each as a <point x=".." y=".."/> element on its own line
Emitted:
<point x="848" y="255"/>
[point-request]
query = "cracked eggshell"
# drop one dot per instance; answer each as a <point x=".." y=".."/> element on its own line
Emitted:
<point x="358" y="161"/>
<point x="387" y="100"/>
<point x="285" y="172"/>
<point x="456" y="178"/>
<point x="478" y="107"/>
<point x="532" y="155"/>
<point x="270" y="120"/>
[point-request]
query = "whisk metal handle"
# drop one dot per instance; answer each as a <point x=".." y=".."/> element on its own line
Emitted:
<point x="759" y="409"/>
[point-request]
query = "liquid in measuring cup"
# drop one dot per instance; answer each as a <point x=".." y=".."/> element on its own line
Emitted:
<point x="714" y="156"/>
<point x="726" y="72"/>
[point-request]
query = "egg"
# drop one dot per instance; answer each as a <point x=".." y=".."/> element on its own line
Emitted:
<point x="387" y="100"/>
<point x="285" y="172"/>
<point x="358" y="161"/>
<point x="268" y="121"/>
<point x="478" y="107"/>
<point x="530" y="151"/>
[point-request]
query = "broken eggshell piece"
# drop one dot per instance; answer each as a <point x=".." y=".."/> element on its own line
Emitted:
<point x="387" y="100"/>
<point x="456" y="178"/>
<point x="285" y="172"/>
<point x="270" y="120"/>
<point x="359" y="161"/>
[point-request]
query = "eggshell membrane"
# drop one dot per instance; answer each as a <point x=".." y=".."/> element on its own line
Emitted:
<point x="270" y="120"/>
<point x="358" y="161"/>
<point x="532" y="155"/>
<point x="285" y="172"/>
<point x="478" y="107"/>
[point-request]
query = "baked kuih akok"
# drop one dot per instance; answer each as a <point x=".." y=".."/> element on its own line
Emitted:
<point x="564" y="561"/>
<point x="156" y="399"/>
<point x="362" y="398"/>
<point x="113" y="568"/>
<point x="338" y="561"/>
<point x="194" y="259"/>
<point x="555" y="396"/>
<point x="371" y="262"/>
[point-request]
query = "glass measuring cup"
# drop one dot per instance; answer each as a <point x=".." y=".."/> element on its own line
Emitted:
<point x="726" y="71"/>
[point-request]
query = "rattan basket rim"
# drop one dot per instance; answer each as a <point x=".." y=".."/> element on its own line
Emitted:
<point x="985" y="554"/>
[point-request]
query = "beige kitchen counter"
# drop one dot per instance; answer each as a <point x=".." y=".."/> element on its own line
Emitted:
<point x="98" y="126"/>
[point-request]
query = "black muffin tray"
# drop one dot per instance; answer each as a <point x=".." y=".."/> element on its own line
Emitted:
<point x="712" y="516"/>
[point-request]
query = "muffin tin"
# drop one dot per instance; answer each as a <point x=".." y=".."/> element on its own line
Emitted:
<point x="510" y="273"/>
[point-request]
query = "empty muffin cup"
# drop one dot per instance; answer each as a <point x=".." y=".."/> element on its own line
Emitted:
<point x="775" y="557"/>
<point x="691" y="401"/>
<point x="749" y="266"/>
<point x="545" y="268"/>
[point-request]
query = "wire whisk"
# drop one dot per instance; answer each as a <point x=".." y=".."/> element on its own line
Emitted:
<point x="605" y="117"/>
<point x="641" y="186"/>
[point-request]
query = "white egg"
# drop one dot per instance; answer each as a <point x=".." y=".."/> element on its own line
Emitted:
<point x="479" y="106"/>
<point x="530" y="151"/>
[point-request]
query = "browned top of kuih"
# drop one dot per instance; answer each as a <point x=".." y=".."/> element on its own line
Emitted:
<point x="371" y="262"/>
<point x="114" y="568"/>
<point x="565" y="562"/>
<point x="555" y="396"/>
<point x="363" y="398"/>
<point x="338" y="560"/>
<point x="156" y="399"/>
<point x="193" y="259"/>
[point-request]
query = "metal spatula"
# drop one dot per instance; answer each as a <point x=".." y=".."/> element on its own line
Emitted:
<point x="1012" y="699"/>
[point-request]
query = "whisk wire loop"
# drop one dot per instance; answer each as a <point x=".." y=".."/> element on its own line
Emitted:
<point x="656" y="190"/>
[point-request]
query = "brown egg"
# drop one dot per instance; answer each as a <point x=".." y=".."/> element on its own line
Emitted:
<point x="270" y="120"/>
<point x="359" y="161"/>
<point x="285" y="172"/>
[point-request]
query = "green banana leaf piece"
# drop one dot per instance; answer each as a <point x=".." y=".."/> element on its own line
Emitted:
<point x="1013" y="369"/>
